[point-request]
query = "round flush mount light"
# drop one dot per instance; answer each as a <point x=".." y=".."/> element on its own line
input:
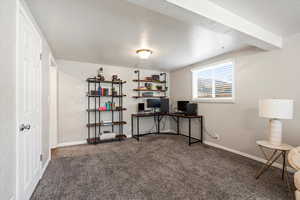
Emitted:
<point x="144" y="53"/>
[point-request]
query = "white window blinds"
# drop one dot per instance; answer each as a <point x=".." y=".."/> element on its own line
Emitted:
<point x="214" y="82"/>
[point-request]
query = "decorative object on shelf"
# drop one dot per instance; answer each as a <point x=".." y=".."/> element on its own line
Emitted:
<point x="294" y="160"/>
<point x="102" y="108"/>
<point x="115" y="78"/>
<point x="118" y="108"/>
<point x="159" y="87"/>
<point x="100" y="75"/>
<point x="148" y="86"/>
<point x="275" y="110"/>
<point x="144" y="53"/>
<point x="93" y="92"/>
<point x="148" y="78"/>
<point x="114" y="92"/>
<point x="97" y="91"/>
<point x="155" y="77"/>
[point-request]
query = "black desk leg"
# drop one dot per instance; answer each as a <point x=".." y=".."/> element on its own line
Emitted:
<point x="201" y="131"/>
<point x="131" y="126"/>
<point x="178" y="129"/>
<point x="158" y="124"/>
<point x="138" y="128"/>
<point x="189" y="131"/>
<point x="283" y="165"/>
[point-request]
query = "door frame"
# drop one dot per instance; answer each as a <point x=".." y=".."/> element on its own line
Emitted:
<point x="53" y="64"/>
<point x="21" y="10"/>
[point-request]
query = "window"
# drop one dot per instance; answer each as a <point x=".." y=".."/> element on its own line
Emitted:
<point x="214" y="83"/>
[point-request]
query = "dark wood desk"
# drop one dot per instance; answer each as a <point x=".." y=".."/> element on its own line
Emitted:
<point x="158" y="117"/>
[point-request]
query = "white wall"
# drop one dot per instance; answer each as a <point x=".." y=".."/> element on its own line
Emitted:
<point x="259" y="74"/>
<point x="7" y="99"/>
<point x="73" y="101"/>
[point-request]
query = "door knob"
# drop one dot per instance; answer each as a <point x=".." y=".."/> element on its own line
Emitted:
<point x="25" y="127"/>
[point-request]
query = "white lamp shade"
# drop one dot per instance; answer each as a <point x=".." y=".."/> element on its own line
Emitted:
<point x="276" y="108"/>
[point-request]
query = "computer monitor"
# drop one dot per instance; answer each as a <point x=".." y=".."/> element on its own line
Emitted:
<point x="181" y="105"/>
<point x="153" y="103"/>
<point x="164" y="105"/>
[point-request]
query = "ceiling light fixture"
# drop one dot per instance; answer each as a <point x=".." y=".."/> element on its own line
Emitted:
<point x="144" y="53"/>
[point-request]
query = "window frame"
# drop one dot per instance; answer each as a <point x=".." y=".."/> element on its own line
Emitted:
<point x="213" y="99"/>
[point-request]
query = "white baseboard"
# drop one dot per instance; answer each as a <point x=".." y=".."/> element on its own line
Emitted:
<point x="45" y="167"/>
<point x="66" y="144"/>
<point x="278" y="165"/>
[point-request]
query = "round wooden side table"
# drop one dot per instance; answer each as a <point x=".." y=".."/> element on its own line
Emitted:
<point x="294" y="160"/>
<point x="277" y="152"/>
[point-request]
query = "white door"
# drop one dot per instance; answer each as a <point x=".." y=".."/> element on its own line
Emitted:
<point x="53" y="106"/>
<point x="28" y="107"/>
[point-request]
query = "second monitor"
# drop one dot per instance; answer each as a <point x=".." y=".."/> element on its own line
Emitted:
<point x="161" y="104"/>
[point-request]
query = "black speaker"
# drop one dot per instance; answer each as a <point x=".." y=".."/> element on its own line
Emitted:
<point x="164" y="105"/>
<point x="192" y="109"/>
<point x="141" y="107"/>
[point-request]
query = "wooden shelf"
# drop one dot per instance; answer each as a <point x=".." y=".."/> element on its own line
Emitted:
<point x="94" y="80"/>
<point x="93" y="111"/>
<point x="148" y="90"/>
<point x="89" y="95"/>
<point x="150" y="97"/>
<point x="106" y="124"/>
<point x="149" y="81"/>
<point x="96" y="110"/>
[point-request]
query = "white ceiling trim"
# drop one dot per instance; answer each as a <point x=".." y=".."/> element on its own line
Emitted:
<point x="265" y="39"/>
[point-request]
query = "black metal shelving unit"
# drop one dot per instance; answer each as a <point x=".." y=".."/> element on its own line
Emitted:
<point x="139" y="81"/>
<point x="94" y="114"/>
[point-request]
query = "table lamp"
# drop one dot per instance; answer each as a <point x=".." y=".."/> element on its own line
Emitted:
<point x="275" y="110"/>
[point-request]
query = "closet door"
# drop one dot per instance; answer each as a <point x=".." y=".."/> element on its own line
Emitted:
<point x="29" y="107"/>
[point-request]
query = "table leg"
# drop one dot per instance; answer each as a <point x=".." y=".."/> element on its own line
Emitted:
<point x="201" y="131"/>
<point x="178" y="128"/>
<point x="131" y="126"/>
<point x="154" y="119"/>
<point x="287" y="178"/>
<point x="189" y="131"/>
<point x="158" y="124"/>
<point x="268" y="164"/>
<point x="138" y="128"/>
<point x="283" y="164"/>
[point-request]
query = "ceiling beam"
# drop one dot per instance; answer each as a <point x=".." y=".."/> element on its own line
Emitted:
<point x="216" y="18"/>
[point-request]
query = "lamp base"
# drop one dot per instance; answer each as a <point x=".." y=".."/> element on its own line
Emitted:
<point x="275" y="136"/>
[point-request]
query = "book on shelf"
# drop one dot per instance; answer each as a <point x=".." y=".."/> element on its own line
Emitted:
<point x="147" y="94"/>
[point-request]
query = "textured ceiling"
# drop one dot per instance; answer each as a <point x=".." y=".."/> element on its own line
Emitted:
<point x="110" y="31"/>
<point x="279" y="16"/>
